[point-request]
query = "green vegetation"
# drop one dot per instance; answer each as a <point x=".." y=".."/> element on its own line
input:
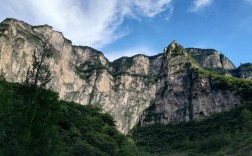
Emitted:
<point x="164" y="89"/>
<point x="89" y="67"/>
<point x="122" y="64"/>
<point x="200" y="55"/>
<point x="179" y="50"/>
<point x="243" y="87"/>
<point x="34" y="122"/>
<point x="243" y="71"/>
<point x="4" y="27"/>
<point x="41" y="26"/>
<point x="86" y="69"/>
<point x="227" y="133"/>
<point x="94" y="51"/>
<point x="246" y="67"/>
<point x="193" y="62"/>
<point x="219" y="70"/>
<point x="151" y="114"/>
<point x="28" y="119"/>
<point x="67" y="41"/>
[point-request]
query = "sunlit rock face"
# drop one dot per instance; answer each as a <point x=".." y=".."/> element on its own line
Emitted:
<point x="182" y="94"/>
<point x="146" y="89"/>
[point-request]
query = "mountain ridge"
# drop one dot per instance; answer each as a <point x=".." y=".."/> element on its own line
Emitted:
<point x="124" y="87"/>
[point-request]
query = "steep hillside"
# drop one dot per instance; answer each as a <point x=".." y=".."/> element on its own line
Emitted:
<point x="34" y="122"/>
<point x="168" y="82"/>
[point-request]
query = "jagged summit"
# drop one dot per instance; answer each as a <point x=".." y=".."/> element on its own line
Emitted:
<point x="7" y="20"/>
<point x="173" y="45"/>
<point x="16" y="21"/>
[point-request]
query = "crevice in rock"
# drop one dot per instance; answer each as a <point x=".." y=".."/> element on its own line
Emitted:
<point x="222" y="57"/>
<point x="191" y="84"/>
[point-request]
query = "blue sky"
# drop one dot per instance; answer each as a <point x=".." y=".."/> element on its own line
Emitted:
<point x="127" y="27"/>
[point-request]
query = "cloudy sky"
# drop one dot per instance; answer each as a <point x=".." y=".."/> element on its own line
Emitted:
<point x="128" y="27"/>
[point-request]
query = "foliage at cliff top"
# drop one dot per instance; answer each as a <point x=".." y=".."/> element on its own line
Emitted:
<point x="243" y="87"/>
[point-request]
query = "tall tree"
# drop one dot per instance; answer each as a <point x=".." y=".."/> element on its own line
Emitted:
<point x="40" y="74"/>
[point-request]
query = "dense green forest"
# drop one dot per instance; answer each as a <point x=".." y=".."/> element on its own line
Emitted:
<point x="33" y="121"/>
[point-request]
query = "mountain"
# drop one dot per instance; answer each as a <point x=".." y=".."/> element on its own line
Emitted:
<point x="170" y="87"/>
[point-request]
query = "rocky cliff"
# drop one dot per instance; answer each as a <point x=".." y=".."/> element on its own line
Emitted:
<point x="159" y="89"/>
<point x="243" y="71"/>
<point x="210" y="58"/>
<point x="184" y="93"/>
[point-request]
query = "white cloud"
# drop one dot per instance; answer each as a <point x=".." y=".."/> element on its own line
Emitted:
<point x="86" y="22"/>
<point x="151" y="8"/>
<point x="199" y="4"/>
<point x="130" y="52"/>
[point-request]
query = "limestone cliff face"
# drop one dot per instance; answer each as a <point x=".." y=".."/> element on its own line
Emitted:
<point x="183" y="94"/>
<point x="81" y="74"/>
<point x="157" y="89"/>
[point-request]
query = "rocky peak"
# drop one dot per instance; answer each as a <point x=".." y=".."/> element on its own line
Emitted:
<point x="13" y="21"/>
<point x="173" y="45"/>
<point x="174" y="48"/>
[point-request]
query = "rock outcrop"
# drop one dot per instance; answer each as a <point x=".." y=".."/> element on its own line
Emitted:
<point x="184" y="94"/>
<point x="243" y="71"/>
<point x="210" y="58"/>
<point x="159" y="89"/>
